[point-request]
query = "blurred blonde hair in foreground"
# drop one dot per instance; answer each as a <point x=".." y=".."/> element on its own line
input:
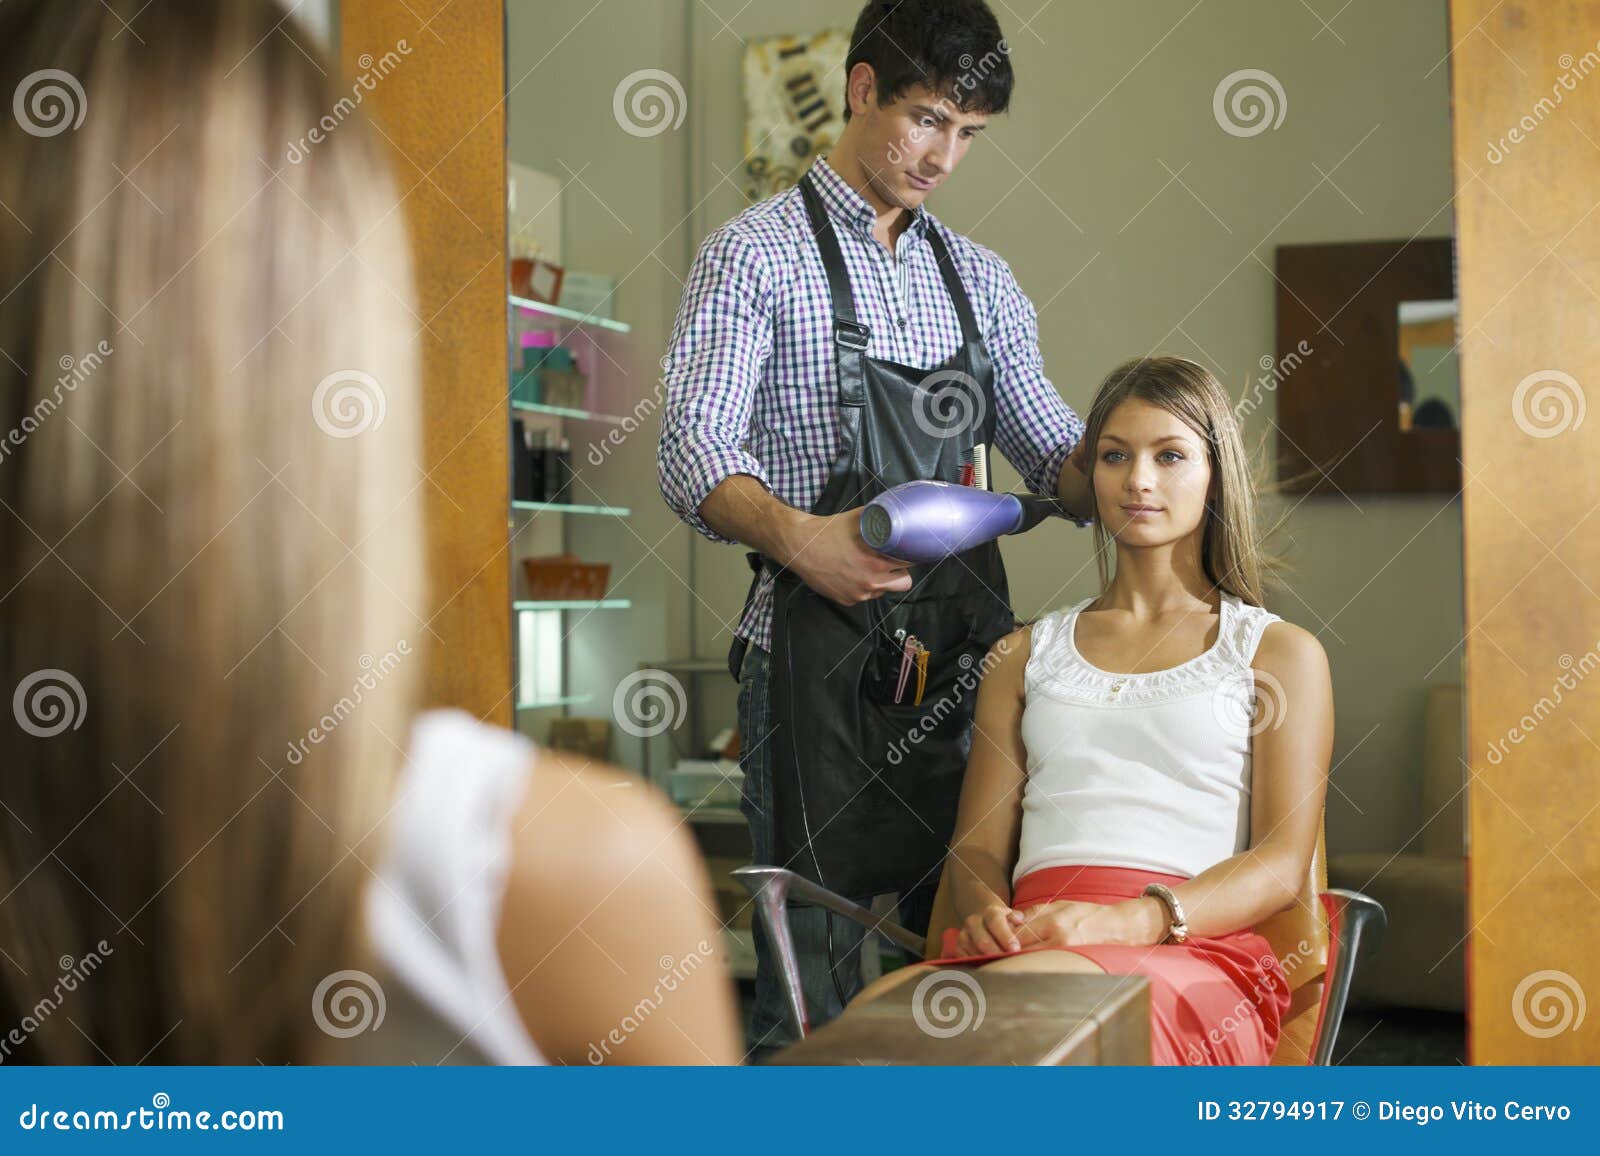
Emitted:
<point x="208" y="475"/>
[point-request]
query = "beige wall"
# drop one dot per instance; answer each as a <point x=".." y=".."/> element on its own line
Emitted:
<point x="1106" y="95"/>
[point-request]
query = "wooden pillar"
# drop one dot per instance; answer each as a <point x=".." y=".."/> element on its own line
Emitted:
<point x="442" y="108"/>
<point x="1527" y="183"/>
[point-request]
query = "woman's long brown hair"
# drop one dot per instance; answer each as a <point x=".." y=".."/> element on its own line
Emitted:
<point x="1231" y="549"/>
<point x="209" y="531"/>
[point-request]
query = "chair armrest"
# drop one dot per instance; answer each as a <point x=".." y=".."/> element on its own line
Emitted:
<point x="772" y="888"/>
<point x="1355" y="922"/>
<point x="790" y="887"/>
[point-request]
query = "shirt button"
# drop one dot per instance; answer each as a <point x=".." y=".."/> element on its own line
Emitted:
<point x="902" y="321"/>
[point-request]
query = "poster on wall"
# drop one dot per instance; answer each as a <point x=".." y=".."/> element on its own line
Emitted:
<point x="794" y="106"/>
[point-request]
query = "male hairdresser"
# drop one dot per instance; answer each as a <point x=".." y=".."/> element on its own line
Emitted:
<point x="833" y="341"/>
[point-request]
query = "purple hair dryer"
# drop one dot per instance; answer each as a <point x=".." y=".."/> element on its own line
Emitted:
<point x="926" y="521"/>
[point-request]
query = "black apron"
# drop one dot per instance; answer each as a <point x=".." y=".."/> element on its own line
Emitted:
<point x="865" y="789"/>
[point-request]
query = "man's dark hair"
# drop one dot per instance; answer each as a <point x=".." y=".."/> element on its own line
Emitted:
<point x="953" y="47"/>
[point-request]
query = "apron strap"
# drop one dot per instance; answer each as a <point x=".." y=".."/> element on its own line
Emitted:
<point x="958" y="291"/>
<point x="850" y="336"/>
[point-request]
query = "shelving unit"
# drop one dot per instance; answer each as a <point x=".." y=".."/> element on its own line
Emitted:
<point x="543" y="626"/>
<point x="721" y="831"/>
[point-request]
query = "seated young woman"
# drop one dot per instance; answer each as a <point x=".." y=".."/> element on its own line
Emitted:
<point x="1170" y="731"/>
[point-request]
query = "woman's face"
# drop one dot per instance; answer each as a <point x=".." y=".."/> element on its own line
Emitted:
<point x="1151" y="475"/>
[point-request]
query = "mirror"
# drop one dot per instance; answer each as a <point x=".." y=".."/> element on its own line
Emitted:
<point x="1429" y="367"/>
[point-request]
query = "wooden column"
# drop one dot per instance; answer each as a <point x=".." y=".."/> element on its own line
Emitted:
<point x="1527" y="182"/>
<point x="442" y="108"/>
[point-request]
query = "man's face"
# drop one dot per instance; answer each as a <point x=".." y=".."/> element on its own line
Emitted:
<point x="910" y="147"/>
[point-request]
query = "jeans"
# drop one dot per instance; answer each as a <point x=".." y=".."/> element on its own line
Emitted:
<point x="768" y="1029"/>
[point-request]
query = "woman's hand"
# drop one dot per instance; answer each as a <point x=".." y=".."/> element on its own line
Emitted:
<point x="1068" y="923"/>
<point x="990" y="931"/>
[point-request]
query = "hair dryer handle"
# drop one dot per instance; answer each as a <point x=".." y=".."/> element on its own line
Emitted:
<point x="1035" y="510"/>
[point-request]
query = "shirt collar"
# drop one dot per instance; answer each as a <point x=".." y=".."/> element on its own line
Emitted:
<point x="849" y="206"/>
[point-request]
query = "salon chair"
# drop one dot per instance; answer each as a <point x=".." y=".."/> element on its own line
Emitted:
<point x="1317" y="941"/>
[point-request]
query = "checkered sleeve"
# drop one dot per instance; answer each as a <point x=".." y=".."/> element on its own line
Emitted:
<point x="1034" y="427"/>
<point x="720" y="344"/>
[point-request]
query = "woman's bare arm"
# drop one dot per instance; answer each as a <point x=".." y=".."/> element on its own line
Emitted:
<point x="1289" y="780"/>
<point x="609" y="933"/>
<point x="983" y="850"/>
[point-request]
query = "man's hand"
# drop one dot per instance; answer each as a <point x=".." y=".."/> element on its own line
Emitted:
<point x="1073" y="487"/>
<point x="828" y="553"/>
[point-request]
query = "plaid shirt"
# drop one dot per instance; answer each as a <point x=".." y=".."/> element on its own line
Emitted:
<point x="750" y="372"/>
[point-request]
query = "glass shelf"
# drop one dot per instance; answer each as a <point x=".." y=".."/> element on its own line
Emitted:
<point x="573" y="508"/>
<point x="568" y="700"/>
<point x="556" y="313"/>
<point x="575" y="604"/>
<point x="563" y="411"/>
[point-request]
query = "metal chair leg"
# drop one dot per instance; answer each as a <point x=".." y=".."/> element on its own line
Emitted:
<point x="1355" y="922"/>
<point x="771" y="888"/>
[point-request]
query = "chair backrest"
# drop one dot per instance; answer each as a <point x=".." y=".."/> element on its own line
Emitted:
<point x="1298" y="935"/>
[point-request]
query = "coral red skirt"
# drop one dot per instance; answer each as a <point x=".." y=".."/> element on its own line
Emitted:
<point x="1213" y="1000"/>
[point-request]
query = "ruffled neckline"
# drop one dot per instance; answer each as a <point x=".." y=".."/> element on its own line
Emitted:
<point x="1056" y="666"/>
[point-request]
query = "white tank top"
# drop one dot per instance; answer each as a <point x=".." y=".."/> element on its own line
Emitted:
<point x="433" y="911"/>
<point x="1138" y="770"/>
